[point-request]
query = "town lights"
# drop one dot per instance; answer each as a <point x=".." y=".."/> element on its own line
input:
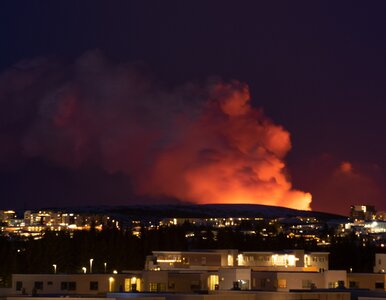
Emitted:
<point x="84" y="270"/>
<point x="91" y="260"/>
<point x="54" y="265"/>
<point x="105" y="265"/>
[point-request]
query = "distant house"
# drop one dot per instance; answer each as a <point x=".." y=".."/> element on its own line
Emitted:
<point x="380" y="263"/>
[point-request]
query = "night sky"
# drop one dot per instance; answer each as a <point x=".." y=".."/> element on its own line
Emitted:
<point x="313" y="69"/>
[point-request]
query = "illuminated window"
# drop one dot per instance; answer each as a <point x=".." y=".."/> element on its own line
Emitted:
<point x="213" y="282"/>
<point x="333" y="285"/>
<point x="157" y="287"/>
<point x="230" y="260"/>
<point x="282" y="283"/>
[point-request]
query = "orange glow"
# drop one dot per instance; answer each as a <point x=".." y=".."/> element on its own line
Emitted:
<point x="345" y="167"/>
<point x="228" y="155"/>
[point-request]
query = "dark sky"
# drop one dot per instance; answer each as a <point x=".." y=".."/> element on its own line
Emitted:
<point x="318" y="68"/>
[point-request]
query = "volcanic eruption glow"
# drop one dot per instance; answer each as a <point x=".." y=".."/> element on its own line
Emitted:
<point x="198" y="143"/>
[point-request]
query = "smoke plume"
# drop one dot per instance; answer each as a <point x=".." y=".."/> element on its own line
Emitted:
<point x="201" y="143"/>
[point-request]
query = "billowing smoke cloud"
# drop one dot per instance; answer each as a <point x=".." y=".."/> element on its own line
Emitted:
<point x="199" y="143"/>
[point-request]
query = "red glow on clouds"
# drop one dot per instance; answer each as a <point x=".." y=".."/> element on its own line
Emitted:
<point x="198" y="143"/>
<point x="230" y="154"/>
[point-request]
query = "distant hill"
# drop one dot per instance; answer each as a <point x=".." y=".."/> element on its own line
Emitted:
<point x="160" y="211"/>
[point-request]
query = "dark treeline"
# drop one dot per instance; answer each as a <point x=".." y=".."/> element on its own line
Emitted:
<point x="121" y="250"/>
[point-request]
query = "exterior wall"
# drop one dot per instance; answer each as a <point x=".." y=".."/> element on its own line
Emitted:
<point x="169" y="281"/>
<point x="297" y="281"/>
<point x="292" y="260"/>
<point x="285" y="281"/>
<point x="187" y="282"/>
<point x="335" y="278"/>
<point x="172" y="260"/>
<point x="367" y="281"/>
<point x="266" y="281"/>
<point x="239" y="295"/>
<point x="380" y="263"/>
<point x="319" y="260"/>
<point x="52" y="283"/>
<point x="155" y="279"/>
<point x="228" y="276"/>
<point x="302" y="280"/>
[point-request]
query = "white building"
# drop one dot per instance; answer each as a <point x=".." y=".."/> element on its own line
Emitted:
<point x="290" y="260"/>
<point x="72" y="284"/>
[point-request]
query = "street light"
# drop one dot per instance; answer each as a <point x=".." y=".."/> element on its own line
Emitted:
<point x="54" y="268"/>
<point x="84" y="270"/>
<point x="91" y="260"/>
<point x="105" y="265"/>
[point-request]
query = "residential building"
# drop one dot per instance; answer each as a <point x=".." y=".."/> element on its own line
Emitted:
<point x="380" y="263"/>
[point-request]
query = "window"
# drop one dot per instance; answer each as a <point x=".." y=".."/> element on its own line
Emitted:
<point x="263" y="282"/>
<point x="282" y="283"/>
<point x="38" y="285"/>
<point x="93" y="285"/>
<point x="212" y="282"/>
<point x="49" y="282"/>
<point x="157" y="287"/>
<point x="68" y="286"/>
<point x="72" y="286"/>
<point x="195" y="285"/>
<point x="171" y="285"/>
<point x="306" y="284"/>
<point x="380" y="285"/>
<point x="64" y="285"/>
<point x="152" y="287"/>
<point x="332" y="285"/>
<point x="19" y="285"/>
<point x="354" y="285"/>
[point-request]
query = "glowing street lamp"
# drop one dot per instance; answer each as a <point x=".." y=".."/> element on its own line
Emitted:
<point x="84" y="270"/>
<point x="105" y="265"/>
<point x="91" y="260"/>
<point x="54" y="268"/>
